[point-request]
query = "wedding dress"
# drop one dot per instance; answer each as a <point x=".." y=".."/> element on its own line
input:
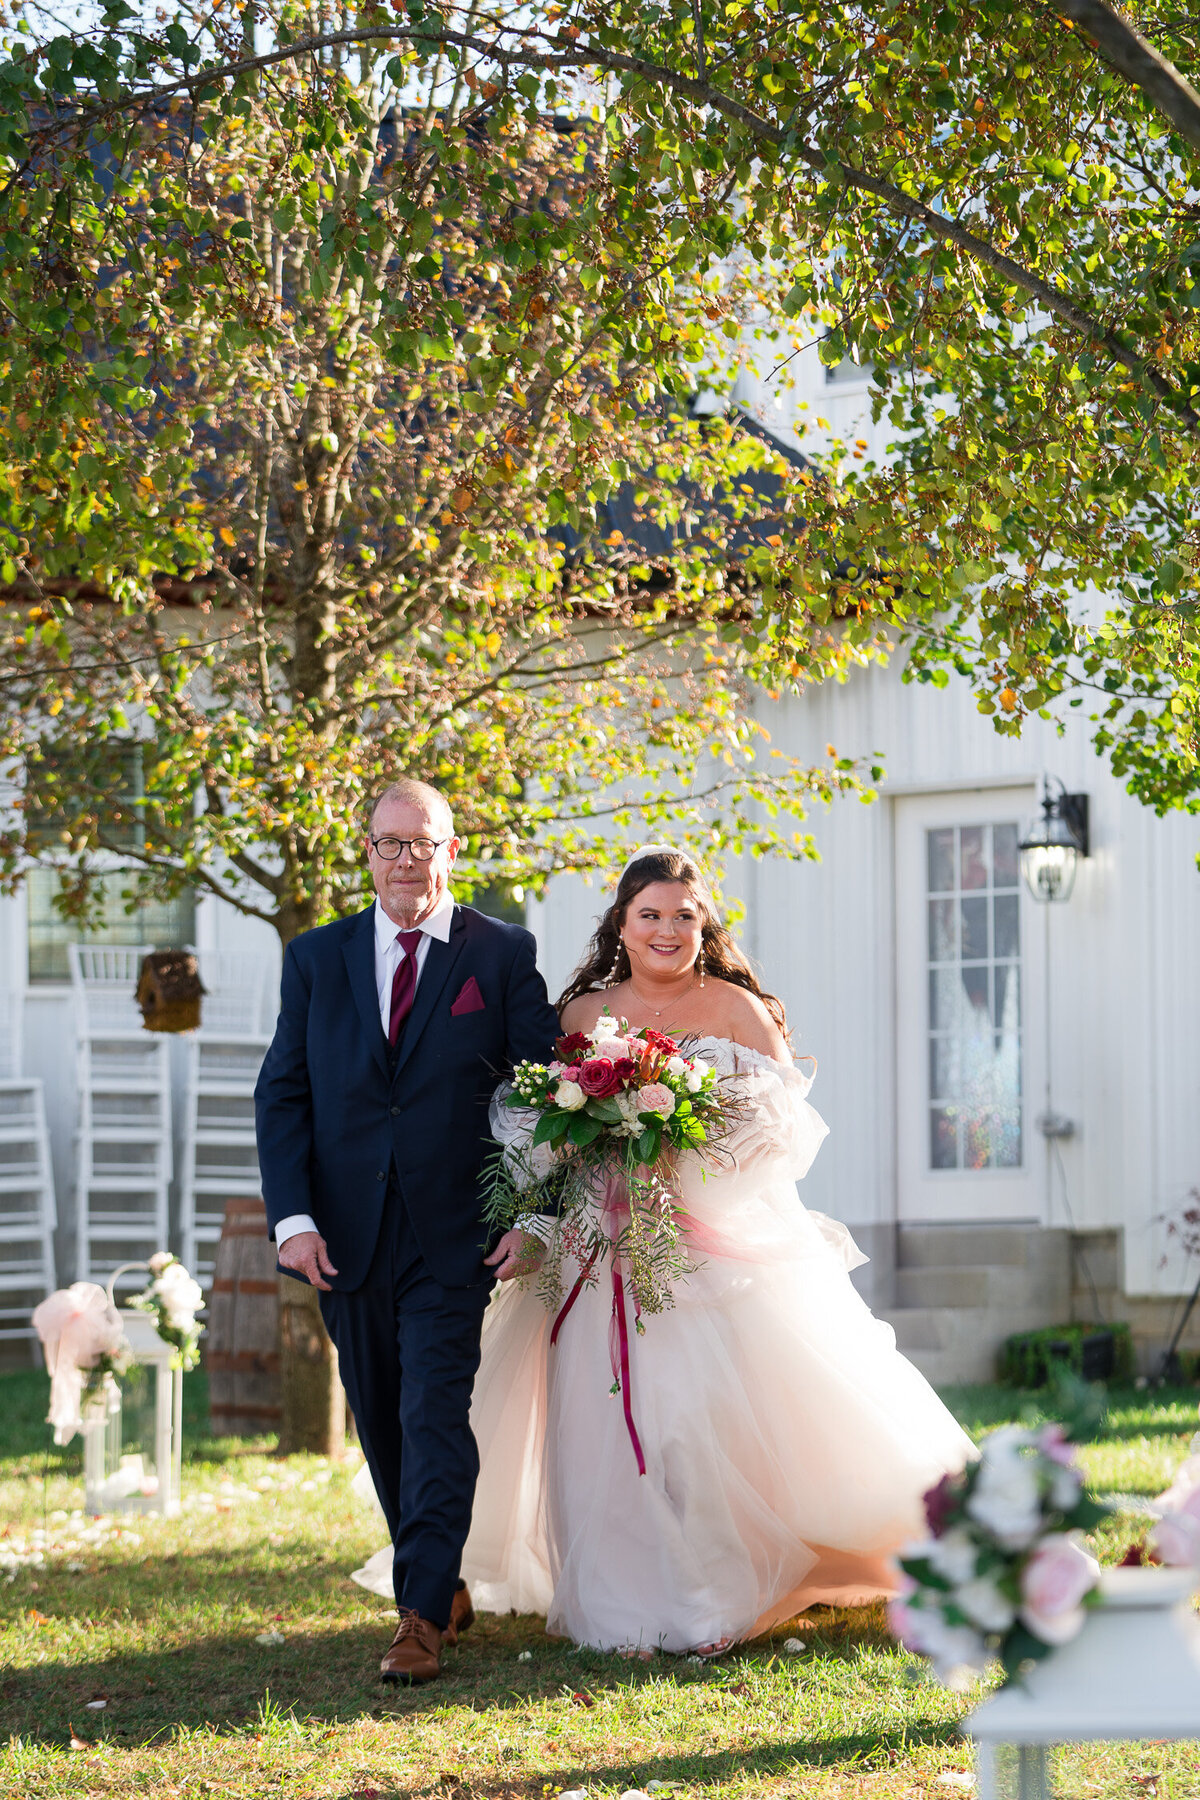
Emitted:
<point x="787" y="1442"/>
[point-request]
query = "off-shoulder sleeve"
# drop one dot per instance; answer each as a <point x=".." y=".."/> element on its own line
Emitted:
<point x="740" y="1196"/>
<point x="774" y="1129"/>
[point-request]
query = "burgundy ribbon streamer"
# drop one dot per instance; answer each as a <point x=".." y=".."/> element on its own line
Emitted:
<point x="618" y="1337"/>
<point x="572" y="1297"/>
<point x="622" y="1375"/>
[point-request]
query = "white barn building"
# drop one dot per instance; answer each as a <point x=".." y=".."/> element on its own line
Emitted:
<point x="951" y="1013"/>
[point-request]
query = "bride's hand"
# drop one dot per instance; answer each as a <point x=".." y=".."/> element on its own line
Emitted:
<point x="517" y="1253"/>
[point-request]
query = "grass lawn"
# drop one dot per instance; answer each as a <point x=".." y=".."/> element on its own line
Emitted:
<point x="160" y="1623"/>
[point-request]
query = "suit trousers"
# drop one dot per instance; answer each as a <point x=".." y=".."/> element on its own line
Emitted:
<point x="408" y="1350"/>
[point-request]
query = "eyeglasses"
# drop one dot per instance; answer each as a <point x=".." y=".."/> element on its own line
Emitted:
<point x="421" y="849"/>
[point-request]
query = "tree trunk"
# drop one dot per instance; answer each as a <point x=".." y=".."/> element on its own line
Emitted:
<point x="314" y="1405"/>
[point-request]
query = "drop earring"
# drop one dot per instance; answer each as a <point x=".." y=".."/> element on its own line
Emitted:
<point x="610" y="980"/>
<point x="700" y="966"/>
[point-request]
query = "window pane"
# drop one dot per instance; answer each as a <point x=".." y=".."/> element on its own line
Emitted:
<point x="975" y="993"/>
<point x="942" y="944"/>
<point x="943" y="1068"/>
<point x="163" y="924"/>
<point x="993" y="1139"/>
<point x="60" y="791"/>
<point x="973" y="952"/>
<point x="974" y="930"/>
<point x="972" y="857"/>
<point x="943" y="1139"/>
<point x="1005" y="866"/>
<point x="940" y="851"/>
<point x="945" y="999"/>
<point x="1006" y="1014"/>
<point x="1006" y="925"/>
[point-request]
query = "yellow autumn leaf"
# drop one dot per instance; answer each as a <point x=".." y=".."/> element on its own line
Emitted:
<point x="226" y="536"/>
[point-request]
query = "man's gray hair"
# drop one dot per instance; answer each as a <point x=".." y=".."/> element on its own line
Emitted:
<point x="413" y="793"/>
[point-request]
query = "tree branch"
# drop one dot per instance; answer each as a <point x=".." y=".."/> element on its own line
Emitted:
<point x="530" y="55"/>
<point x="1134" y="57"/>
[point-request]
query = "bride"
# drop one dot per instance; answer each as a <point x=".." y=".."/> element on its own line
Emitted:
<point x="787" y="1443"/>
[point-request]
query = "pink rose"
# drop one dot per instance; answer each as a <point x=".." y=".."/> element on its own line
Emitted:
<point x="1054" y="1581"/>
<point x="656" y="1099"/>
<point x="1175" y="1540"/>
<point x="598" y="1077"/>
<point x="1054" y="1443"/>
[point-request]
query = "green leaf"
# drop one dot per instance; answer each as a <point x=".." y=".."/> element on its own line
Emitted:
<point x="550" y="1126"/>
<point x="583" y="1130"/>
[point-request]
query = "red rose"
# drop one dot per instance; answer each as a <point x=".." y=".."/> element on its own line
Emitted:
<point x="625" y="1069"/>
<point x="598" y="1078"/>
<point x="941" y="1502"/>
<point x="568" y="1047"/>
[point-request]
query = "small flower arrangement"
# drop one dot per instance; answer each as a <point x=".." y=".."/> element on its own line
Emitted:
<point x="1005" y="1571"/>
<point x="595" y="1134"/>
<point x="174" y="1298"/>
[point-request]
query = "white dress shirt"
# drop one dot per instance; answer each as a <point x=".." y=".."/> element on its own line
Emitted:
<point x="389" y="954"/>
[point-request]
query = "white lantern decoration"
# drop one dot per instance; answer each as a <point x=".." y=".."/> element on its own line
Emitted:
<point x="133" y="1424"/>
<point x="143" y="1408"/>
<point x="1132" y="1672"/>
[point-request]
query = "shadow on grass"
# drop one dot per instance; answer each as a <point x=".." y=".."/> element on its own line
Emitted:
<point x="221" y="1683"/>
<point x="849" y="1752"/>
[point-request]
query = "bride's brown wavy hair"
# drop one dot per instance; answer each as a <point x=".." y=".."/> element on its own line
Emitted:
<point x="606" y="961"/>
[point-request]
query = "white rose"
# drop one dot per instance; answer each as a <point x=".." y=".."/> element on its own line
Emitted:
<point x="957" y="1652"/>
<point x="676" y="1066"/>
<point x="985" y="1605"/>
<point x="178" y="1290"/>
<point x="628" y="1106"/>
<point x="1066" y="1485"/>
<point x="1005" y="1498"/>
<point x="953" y="1554"/>
<point x="569" y="1095"/>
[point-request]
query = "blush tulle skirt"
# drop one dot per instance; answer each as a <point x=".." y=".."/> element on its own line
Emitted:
<point x="787" y="1443"/>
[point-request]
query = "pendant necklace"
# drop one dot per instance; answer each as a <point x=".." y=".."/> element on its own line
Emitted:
<point x="658" y="1011"/>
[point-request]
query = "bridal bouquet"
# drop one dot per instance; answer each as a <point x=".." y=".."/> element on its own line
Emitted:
<point x="594" y="1136"/>
<point x="1005" y="1570"/>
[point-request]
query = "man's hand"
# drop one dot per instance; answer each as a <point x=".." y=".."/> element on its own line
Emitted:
<point x="517" y="1253"/>
<point x="307" y="1255"/>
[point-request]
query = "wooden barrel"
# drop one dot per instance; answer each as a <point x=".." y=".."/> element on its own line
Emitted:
<point x="241" y="1345"/>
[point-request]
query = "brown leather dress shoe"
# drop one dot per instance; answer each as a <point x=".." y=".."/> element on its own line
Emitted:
<point x="462" y="1615"/>
<point x="415" y="1653"/>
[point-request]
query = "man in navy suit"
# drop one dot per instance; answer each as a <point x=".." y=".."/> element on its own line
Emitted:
<point x="394" y="1029"/>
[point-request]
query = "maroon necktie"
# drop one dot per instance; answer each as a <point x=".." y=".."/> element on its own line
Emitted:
<point x="404" y="983"/>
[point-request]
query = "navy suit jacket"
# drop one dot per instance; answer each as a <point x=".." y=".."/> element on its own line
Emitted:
<point x="335" y="1114"/>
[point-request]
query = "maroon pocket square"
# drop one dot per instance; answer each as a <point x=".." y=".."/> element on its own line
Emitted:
<point x="469" y="998"/>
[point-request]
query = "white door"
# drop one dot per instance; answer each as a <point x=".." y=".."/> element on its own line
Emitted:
<point x="968" y="999"/>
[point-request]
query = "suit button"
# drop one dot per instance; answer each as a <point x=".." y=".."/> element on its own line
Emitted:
<point x="381" y="1174"/>
<point x="396" y="1111"/>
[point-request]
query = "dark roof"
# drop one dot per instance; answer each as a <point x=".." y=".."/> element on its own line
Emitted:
<point x="761" y="502"/>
